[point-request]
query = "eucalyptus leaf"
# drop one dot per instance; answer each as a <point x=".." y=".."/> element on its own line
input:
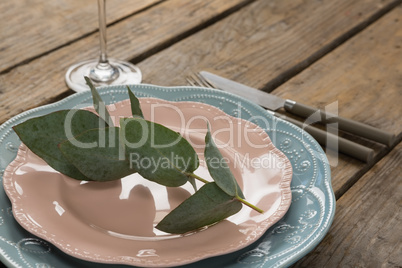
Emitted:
<point x="158" y="153"/>
<point x="219" y="169"/>
<point x="135" y="104"/>
<point x="101" y="161"/>
<point x="43" y="134"/>
<point x="207" y="206"/>
<point x="99" y="105"/>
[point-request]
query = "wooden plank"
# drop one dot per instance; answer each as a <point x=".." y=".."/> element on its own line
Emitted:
<point x="32" y="28"/>
<point x="42" y="79"/>
<point x="367" y="230"/>
<point x="362" y="77"/>
<point x="265" y="41"/>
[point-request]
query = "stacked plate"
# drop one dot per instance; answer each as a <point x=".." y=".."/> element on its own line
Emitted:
<point x="279" y="167"/>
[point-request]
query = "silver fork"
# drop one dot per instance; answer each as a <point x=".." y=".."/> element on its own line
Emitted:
<point x="197" y="80"/>
<point x="326" y="139"/>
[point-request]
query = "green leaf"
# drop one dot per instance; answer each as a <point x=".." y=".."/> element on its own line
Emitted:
<point x="135" y="104"/>
<point x="43" y="134"/>
<point x="99" y="105"/>
<point x="102" y="161"/>
<point x="219" y="169"/>
<point x="158" y="153"/>
<point x="207" y="206"/>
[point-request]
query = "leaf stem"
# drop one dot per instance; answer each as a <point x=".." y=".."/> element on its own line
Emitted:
<point x="249" y="205"/>
<point x="237" y="197"/>
<point x="197" y="177"/>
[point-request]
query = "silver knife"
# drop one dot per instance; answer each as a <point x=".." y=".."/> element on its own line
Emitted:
<point x="273" y="103"/>
<point x="326" y="139"/>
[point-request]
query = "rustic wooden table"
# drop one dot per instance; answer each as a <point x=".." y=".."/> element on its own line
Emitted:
<point x="315" y="52"/>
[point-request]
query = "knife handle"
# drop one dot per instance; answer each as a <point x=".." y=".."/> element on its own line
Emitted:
<point x="344" y="124"/>
<point x="332" y="141"/>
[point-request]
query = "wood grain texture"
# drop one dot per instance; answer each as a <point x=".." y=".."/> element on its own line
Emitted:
<point x="32" y="28"/>
<point x="262" y="42"/>
<point x="367" y="229"/>
<point x="363" y="78"/>
<point x="42" y="79"/>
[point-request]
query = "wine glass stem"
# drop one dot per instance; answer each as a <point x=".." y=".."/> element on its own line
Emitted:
<point x="102" y="31"/>
<point x="103" y="71"/>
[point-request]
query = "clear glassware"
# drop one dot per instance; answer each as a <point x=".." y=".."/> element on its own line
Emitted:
<point x="102" y="71"/>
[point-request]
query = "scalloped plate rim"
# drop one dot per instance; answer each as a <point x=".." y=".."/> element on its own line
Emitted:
<point x="309" y="245"/>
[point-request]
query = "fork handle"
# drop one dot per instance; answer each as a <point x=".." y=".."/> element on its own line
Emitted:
<point x="344" y="124"/>
<point x="332" y="141"/>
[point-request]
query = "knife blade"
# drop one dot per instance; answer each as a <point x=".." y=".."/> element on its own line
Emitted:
<point x="273" y="103"/>
<point x="326" y="139"/>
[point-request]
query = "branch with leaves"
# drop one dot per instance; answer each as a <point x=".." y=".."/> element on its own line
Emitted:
<point x="93" y="149"/>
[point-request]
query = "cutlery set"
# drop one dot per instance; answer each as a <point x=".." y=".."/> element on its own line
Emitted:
<point x="273" y="103"/>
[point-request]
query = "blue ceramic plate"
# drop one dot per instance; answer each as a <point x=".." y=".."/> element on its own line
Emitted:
<point x="299" y="231"/>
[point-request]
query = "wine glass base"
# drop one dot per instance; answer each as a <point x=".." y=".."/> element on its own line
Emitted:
<point x="127" y="74"/>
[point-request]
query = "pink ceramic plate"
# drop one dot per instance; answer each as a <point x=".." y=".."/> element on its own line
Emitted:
<point x="113" y="222"/>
